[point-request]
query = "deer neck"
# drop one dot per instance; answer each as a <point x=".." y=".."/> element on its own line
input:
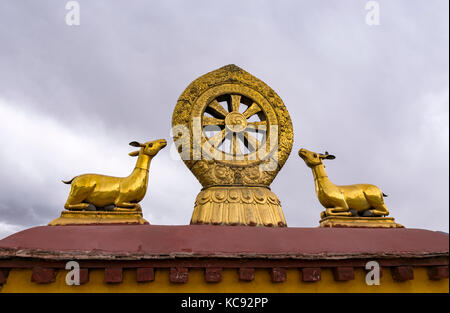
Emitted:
<point x="140" y="172"/>
<point x="136" y="183"/>
<point x="143" y="162"/>
<point x="321" y="179"/>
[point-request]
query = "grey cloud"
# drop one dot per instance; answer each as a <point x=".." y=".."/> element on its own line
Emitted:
<point x="376" y="97"/>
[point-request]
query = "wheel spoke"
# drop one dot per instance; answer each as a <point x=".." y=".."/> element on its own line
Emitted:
<point x="235" y="103"/>
<point x="235" y="145"/>
<point x="224" y="137"/>
<point x="260" y="126"/>
<point x="216" y="110"/>
<point x="217" y="140"/>
<point x="251" y="142"/>
<point x="212" y="121"/>
<point x="251" y="110"/>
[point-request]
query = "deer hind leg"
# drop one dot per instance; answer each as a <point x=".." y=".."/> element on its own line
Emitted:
<point x="381" y="210"/>
<point x="76" y="197"/>
<point x="340" y="207"/>
<point x="80" y="207"/>
<point x="377" y="203"/>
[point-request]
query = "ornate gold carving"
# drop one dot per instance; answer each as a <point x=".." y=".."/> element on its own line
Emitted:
<point x="237" y="205"/>
<point x="240" y="135"/>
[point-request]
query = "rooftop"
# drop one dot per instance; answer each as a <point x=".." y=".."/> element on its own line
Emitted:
<point x="165" y="242"/>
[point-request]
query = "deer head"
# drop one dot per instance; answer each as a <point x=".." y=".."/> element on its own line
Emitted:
<point x="313" y="158"/>
<point x="150" y="148"/>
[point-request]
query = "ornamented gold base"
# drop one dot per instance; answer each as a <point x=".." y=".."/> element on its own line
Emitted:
<point x="238" y="205"/>
<point x="356" y="222"/>
<point x="99" y="217"/>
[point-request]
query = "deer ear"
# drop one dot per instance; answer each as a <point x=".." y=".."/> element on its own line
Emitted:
<point x="135" y="144"/>
<point x="134" y="153"/>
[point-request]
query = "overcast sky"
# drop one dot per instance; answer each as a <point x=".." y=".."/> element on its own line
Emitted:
<point x="73" y="97"/>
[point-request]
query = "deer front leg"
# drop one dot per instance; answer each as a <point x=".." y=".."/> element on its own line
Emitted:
<point x="126" y="206"/>
<point x="383" y="211"/>
<point x="338" y="211"/>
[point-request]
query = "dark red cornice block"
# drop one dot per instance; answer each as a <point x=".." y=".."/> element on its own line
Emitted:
<point x="278" y="275"/>
<point x="246" y="274"/>
<point x="179" y="275"/>
<point x="311" y="274"/>
<point x="343" y="273"/>
<point x="84" y="276"/>
<point x="43" y="275"/>
<point x="3" y="276"/>
<point x="145" y="274"/>
<point x="113" y="275"/>
<point x="438" y="272"/>
<point x="402" y="273"/>
<point x="213" y="274"/>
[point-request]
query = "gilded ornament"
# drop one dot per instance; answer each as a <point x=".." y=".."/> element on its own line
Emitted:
<point x="101" y="199"/>
<point x="239" y="137"/>
<point x="360" y="205"/>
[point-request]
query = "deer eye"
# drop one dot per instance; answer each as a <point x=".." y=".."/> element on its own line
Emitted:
<point x="150" y="145"/>
<point x="315" y="155"/>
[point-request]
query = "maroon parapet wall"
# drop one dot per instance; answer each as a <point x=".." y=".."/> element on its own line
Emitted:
<point x="213" y="248"/>
<point x="150" y="241"/>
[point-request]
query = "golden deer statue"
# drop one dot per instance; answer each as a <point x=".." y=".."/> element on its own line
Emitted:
<point x="91" y="192"/>
<point x="352" y="200"/>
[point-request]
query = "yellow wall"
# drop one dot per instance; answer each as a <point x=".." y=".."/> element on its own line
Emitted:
<point x="19" y="281"/>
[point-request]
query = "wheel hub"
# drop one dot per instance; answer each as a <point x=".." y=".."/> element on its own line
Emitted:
<point x="235" y="122"/>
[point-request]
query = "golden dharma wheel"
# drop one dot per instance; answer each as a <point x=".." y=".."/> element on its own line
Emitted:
<point x="234" y="133"/>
